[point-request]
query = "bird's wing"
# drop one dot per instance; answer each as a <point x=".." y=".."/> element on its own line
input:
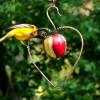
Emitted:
<point x="21" y="26"/>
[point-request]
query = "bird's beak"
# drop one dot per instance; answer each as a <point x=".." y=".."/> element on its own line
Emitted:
<point x="35" y="34"/>
<point x="39" y="34"/>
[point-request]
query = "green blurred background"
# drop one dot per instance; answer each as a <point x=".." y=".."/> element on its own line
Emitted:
<point x="19" y="79"/>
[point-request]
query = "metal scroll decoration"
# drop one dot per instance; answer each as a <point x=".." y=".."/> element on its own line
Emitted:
<point x="55" y="30"/>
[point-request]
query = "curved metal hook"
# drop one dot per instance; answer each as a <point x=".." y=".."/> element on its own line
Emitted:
<point x="28" y="48"/>
<point x="82" y="42"/>
<point x="43" y="28"/>
<point x="47" y="12"/>
<point x="45" y="77"/>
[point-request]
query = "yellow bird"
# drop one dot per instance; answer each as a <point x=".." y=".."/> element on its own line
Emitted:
<point x="22" y="32"/>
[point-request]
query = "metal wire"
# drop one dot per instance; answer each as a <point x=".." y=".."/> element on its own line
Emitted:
<point x="56" y="29"/>
<point x="81" y="37"/>
<point x="28" y="48"/>
<point x="48" y="16"/>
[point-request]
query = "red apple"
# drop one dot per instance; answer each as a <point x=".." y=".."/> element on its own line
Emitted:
<point x="55" y="45"/>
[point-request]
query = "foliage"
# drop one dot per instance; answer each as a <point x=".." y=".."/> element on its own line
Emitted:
<point x="19" y="80"/>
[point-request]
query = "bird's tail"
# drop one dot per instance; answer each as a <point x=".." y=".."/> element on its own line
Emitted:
<point x="5" y="37"/>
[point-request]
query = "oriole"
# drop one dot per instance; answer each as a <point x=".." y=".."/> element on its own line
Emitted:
<point x="22" y="32"/>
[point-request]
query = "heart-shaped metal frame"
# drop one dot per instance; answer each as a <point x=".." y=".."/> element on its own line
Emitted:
<point x="55" y="30"/>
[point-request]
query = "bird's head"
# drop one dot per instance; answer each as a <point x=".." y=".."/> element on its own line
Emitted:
<point x="39" y="33"/>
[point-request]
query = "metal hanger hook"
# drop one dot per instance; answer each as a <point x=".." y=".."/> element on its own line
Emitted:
<point x="48" y="16"/>
<point x="82" y="41"/>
